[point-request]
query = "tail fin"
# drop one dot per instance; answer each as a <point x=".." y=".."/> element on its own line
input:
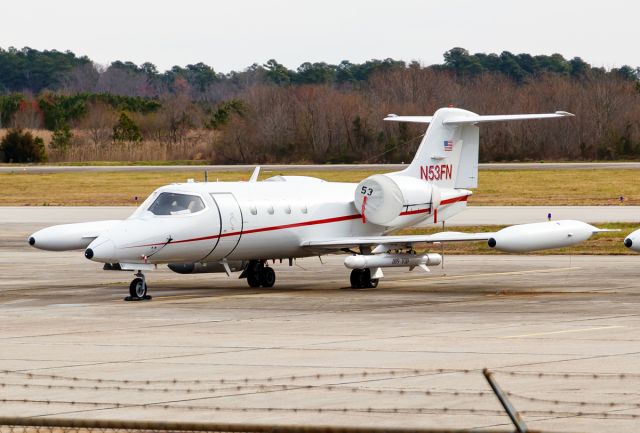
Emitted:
<point x="448" y="153"/>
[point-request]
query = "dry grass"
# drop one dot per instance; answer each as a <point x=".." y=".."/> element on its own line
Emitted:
<point x="557" y="187"/>
<point x="521" y="187"/>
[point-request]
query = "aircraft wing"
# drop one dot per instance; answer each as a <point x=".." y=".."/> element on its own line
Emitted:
<point x="349" y="242"/>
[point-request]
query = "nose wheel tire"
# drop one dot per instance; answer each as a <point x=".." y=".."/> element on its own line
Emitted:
<point x="361" y="279"/>
<point x="138" y="290"/>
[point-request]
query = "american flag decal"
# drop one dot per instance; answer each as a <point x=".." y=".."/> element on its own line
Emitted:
<point x="448" y="145"/>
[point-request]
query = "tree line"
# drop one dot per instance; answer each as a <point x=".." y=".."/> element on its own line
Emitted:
<point x="318" y="112"/>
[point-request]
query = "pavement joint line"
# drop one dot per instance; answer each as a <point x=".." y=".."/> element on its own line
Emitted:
<point x="124" y="361"/>
<point x="566" y="331"/>
<point x="342" y="310"/>
<point x="581" y="358"/>
<point x="493" y="274"/>
<point x="165" y="325"/>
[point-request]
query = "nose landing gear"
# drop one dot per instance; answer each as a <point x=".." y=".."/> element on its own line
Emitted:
<point x="138" y="289"/>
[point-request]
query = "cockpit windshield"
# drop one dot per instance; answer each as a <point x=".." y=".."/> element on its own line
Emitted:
<point x="170" y="203"/>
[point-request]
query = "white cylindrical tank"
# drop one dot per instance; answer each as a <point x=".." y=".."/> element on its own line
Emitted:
<point x="633" y="241"/>
<point x="391" y="260"/>
<point x="66" y="237"/>
<point x="524" y="238"/>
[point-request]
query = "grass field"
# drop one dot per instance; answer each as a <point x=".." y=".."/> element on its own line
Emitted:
<point x="600" y="244"/>
<point x="517" y="187"/>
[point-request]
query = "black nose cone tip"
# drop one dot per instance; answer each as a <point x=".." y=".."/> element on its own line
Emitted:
<point x="88" y="253"/>
<point x="32" y="241"/>
<point x="491" y="242"/>
<point x="628" y="243"/>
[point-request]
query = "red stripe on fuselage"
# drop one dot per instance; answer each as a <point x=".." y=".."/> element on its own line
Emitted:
<point x="414" y="212"/>
<point x="261" y="229"/>
<point x="442" y="203"/>
<point x="454" y="200"/>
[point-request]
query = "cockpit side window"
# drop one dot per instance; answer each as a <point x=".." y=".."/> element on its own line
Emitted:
<point x="170" y="203"/>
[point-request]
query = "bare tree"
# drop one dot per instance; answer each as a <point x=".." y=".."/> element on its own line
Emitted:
<point x="82" y="78"/>
<point x="98" y="122"/>
<point x="29" y="114"/>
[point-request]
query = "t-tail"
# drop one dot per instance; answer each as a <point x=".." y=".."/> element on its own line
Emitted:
<point x="448" y="153"/>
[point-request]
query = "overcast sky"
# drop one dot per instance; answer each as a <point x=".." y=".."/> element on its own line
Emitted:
<point x="233" y="34"/>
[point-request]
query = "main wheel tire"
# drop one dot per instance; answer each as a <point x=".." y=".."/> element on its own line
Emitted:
<point x="253" y="279"/>
<point x="267" y="277"/>
<point x="365" y="278"/>
<point x="354" y="278"/>
<point x="366" y="282"/>
<point x="138" y="288"/>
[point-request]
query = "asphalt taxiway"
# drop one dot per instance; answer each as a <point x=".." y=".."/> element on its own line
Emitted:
<point x="312" y="350"/>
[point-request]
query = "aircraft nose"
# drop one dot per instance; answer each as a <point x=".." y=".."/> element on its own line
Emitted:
<point x="628" y="243"/>
<point x="88" y="253"/>
<point x="32" y="240"/>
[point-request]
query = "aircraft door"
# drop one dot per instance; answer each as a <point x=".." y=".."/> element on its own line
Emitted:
<point x="231" y="225"/>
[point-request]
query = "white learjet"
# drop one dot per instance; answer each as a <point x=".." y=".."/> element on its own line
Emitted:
<point x="239" y="226"/>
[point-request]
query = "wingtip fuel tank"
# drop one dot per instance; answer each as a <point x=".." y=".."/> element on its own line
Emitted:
<point x="524" y="238"/>
<point x="633" y="241"/>
<point x="67" y="237"/>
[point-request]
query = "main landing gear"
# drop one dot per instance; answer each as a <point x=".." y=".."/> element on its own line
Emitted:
<point x="259" y="275"/>
<point x="361" y="279"/>
<point x="138" y="289"/>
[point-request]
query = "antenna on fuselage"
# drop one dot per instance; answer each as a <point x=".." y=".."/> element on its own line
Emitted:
<point x="255" y="174"/>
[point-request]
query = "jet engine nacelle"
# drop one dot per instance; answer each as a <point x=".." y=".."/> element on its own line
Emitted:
<point x="67" y="237"/>
<point x="524" y="238"/>
<point x="392" y="261"/>
<point x="633" y="241"/>
<point x="395" y="200"/>
<point x="206" y="268"/>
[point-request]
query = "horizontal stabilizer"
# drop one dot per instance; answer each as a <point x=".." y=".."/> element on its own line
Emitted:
<point x="472" y="120"/>
<point x="411" y="119"/>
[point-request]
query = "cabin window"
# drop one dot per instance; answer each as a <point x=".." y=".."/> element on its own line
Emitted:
<point x="253" y="209"/>
<point x="303" y="208"/>
<point x="287" y="209"/>
<point x="170" y="203"/>
<point x="270" y="209"/>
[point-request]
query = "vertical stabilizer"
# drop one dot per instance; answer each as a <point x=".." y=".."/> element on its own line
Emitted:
<point x="448" y="153"/>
